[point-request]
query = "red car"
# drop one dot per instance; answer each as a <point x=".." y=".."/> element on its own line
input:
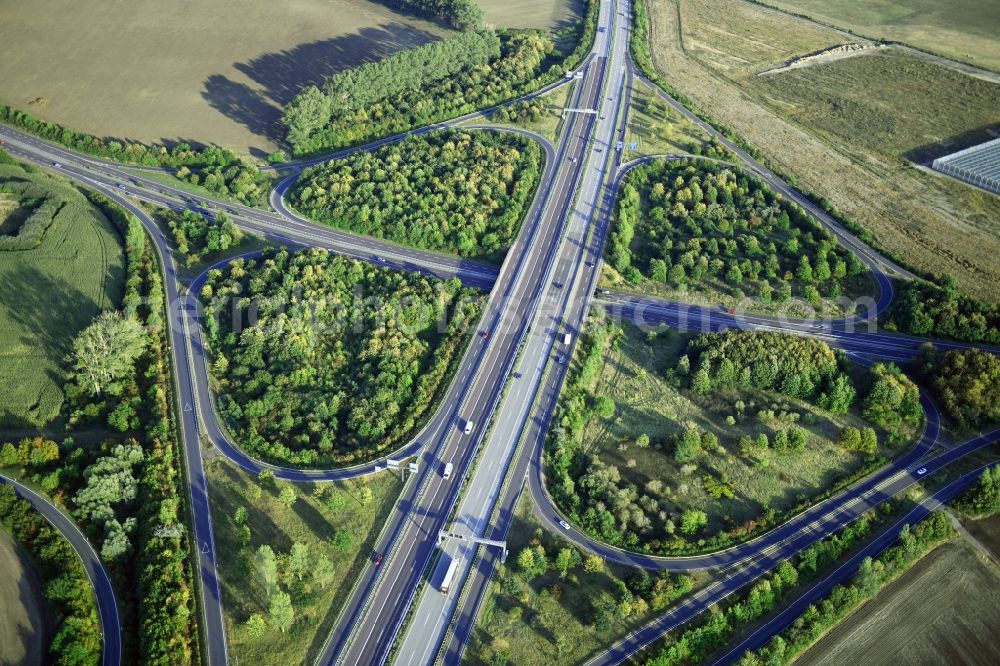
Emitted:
<point x="485" y="334"/>
<point x="377" y="559"/>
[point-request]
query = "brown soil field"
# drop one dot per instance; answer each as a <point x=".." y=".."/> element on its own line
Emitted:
<point x="944" y="610"/>
<point x="935" y="224"/>
<point x="24" y="621"/>
<point x="986" y="532"/>
<point x="203" y="72"/>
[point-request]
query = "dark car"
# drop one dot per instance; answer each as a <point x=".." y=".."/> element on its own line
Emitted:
<point x="377" y="558"/>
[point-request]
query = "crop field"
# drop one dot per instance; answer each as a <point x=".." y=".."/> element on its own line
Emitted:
<point x="645" y="403"/>
<point x="945" y="610"/>
<point x="965" y="30"/>
<point x="206" y="72"/>
<point x="48" y="294"/>
<point x="935" y="224"/>
<point x="335" y="521"/>
<point x="549" y="14"/>
<point x="24" y="620"/>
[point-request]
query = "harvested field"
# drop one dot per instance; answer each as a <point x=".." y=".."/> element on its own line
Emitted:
<point x="936" y="224"/>
<point x="986" y="532"/>
<point x="23" y="622"/>
<point x="548" y="14"/>
<point x="962" y="29"/>
<point x="945" y="610"/>
<point x="207" y="72"/>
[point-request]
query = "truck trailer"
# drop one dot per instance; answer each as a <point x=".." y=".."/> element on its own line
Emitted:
<point x="445" y="572"/>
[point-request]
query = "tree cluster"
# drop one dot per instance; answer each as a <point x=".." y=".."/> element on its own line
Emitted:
<point x="330" y="360"/>
<point x="706" y="224"/>
<point x="242" y="180"/>
<point x="197" y="236"/>
<point x="458" y="14"/>
<point x="893" y="399"/>
<point x="967" y="383"/>
<point x="942" y="311"/>
<point x="77" y="636"/>
<point x="316" y="122"/>
<point x="982" y="499"/>
<point x="464" y="192"/>
<point x="872" y="576"/>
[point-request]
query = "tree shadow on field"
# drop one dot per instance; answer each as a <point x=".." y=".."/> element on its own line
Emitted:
<point x="281" y="75"/>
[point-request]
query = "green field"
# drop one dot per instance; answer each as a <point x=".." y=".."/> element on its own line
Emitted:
<point x="936" y="224"/>
<point x="550" y="619"/>
<point x="965" y="30"/>
<point x="548" y="121"/>
<point x="335" y="521"/>
<point x="24" y="620"/>
<point x="50" y="293"/>
<point x="944" y="610"/>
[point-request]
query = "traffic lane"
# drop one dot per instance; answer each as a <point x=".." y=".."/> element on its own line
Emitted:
<point x="104" y="594"/>
<point x="566" y="192"/>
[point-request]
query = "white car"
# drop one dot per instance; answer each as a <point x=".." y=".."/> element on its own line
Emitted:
<point x="563" y="524"/>
<point x="921" y="471"/>
<point x="57" y="165"/>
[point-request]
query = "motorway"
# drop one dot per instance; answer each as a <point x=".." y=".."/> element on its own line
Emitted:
<point x="543" y="290"/>
<point x="104" y="593"/>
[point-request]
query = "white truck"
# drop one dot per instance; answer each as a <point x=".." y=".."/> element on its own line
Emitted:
<point x="567" y="338"/>
<point x="469" y="425"/>
<point x="447" y="470"/>
<point x="445" y="572"/>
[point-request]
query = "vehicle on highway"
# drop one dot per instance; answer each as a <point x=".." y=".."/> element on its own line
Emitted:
<point x="560" y="359"/>
<point x="563" y="524"/>
<point x="446" y="568"/>
<point x="619" y="145"/>
<point x="469" y="425"/>
<point x="57" y="165"/>
<point x="120" y="186"/>
<point x="601" y="29"/>
<point x="447" y="470"/>
<point x="569" y="74"/>
<point x="579" y="75"/>
<point x="485" y="335"/>
<point x="921" y="471"/>
<point x="380" y="260"/>
<point x="377" y="558"/>
<point x="557" y="285"/>
<point x="567" y="338"/>
<point x="572" y="159"/>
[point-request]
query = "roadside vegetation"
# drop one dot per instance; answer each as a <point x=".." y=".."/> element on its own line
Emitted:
<point x="474" y="70"/>
<point x="705" y="228"/>
<point x="454" y="191"/>
<point x="542" y="114"/>
<point x="288" y="556"/>
<point x="657" y="129"/>
<point x="61" y="263"/>
<point x="70" y="598"/>
<point x="346" y="373"/>
<point x="918" y="596"/>
<point x="966" y="383"/>
<point x="240" y="180"/>
<point x="670" y="456"/>
<point x="124" y="486"/>
<point x="198" y="237"/>
<point x="851" y="155"/>
<point x="552" y="604"/>
<point x="940" y="310"/>
<point x="697" y="642"/>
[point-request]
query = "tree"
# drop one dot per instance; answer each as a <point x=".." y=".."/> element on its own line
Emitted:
<point x="298" y="560"/>
<point x="240" y="517"/>
<point x="688" y="446"/>
<point x="343" y="540"/>
<point x="593" y="564"/>
<point x="266" y="479"/>
<point x="693" y="520"/>
<point x="105" y="351"/>
<point x="281" y="612"/>
<point x="287" y="496"/>
<point x="256" y="625"/>
<point x="604" y="407"/>
<point x="701" y="382"/>
<point x="266" y="565"/>
<point x="566" y="559"/>
<point x="307" y="113"/>
<point x="324" y="573"/>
